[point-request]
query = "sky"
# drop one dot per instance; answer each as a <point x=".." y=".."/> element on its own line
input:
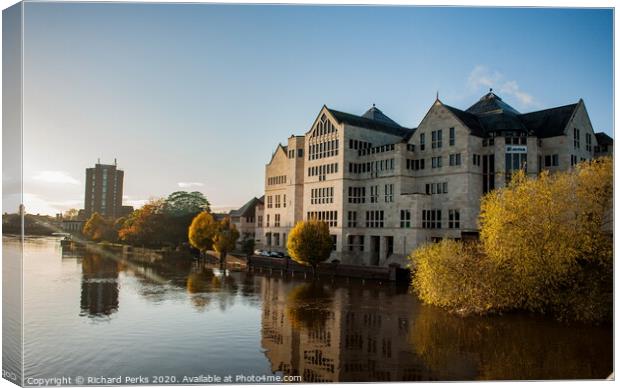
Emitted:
<point x="197" y="97"/>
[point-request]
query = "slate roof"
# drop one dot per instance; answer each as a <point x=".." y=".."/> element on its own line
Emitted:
<point x="491" y="103"/>
<point x="549" y="122"/>
<point x="492" y="114"/>
<point x="247" y="210"/>
<point x="375" y="120"/>
<point x="603" y="139"/>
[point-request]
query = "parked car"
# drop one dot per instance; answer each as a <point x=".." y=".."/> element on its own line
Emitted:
<point x="276" y="254"/>
<point x="265" y="253"/>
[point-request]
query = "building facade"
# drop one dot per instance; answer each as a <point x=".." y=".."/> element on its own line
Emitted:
<point x="384" y="189"/>
<point x="104" y="192"/>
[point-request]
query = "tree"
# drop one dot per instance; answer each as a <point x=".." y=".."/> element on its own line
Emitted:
<point x="182" y="203"/>
<point x="202" y="232"/>
<point x="247" y="245"/>
<point x="98" y="228"/>
<point x="70" y="214"/>
<point x="310" y="243"/>
<point x="145" y="226"/>
<point x="179" y="209"/>
<point x="225" y="238"/>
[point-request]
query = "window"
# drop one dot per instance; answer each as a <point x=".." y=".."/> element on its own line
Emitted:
<point x="452" y="136"/>
<point x="431" y="219"/>
<point x="488" y="173"/>
<point x="276" y="222"/>
<point x="454" y="219"/>
<point x="322" y="195"/>
<point x="352" y="219"/>
<point x="357" y="195"/>
<point x="284" y="200"/>
<point x="551" y="160"/>
<point x="405" y="218"/>
<point x="374" y="219"/>
<point x="515" y="162"/>
<point x="422" y="144"/>
<point x="436" y="161"/>
<point x="436" y="138"/>
<point x="269" y="203"/>
<point x="576" y="137"/>
<point x="300" y="152"/>
<point x="389" y="192"/>
<point x="588" y="142"/>
<point x="267" y="225"/>
<point x="330" y="217"/>
<point x="455" y="159"/>
<point x="277" y="201"/>
<point x="476" y="159"/>
<point x="573" y="160"/>
<point x="374" y="194"/>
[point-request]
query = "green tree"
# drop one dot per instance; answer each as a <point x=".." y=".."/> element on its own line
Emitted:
<point x="98" y="228"/>
<point x="179" y="209"/>
<point x="225" y="238"/>
<point x="202" y="232"/>
<point x="310" y="243"/>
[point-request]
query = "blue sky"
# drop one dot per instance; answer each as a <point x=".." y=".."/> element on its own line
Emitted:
<point x="197" y="96"/>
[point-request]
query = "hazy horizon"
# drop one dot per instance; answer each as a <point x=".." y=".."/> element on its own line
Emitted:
<point x="197" y="97"/>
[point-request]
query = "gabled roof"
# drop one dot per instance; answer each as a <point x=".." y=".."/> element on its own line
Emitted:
<point x="491" y="103"/>
<point x="247" y="210"/>
<point x="381" y="123"/>
<point x="280" y="146"/>
<point x="549" y="122"/>
<point x="603" y="139"/>
<point x="470" y="120"/>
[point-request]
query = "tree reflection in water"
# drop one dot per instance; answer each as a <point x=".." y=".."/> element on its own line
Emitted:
<point x="308" y="306"/>
<point x="508" y="347"/>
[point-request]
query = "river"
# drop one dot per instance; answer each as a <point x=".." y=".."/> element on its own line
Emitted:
<point x="98" y="314"/>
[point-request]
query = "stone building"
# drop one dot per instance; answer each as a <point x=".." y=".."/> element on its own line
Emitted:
<point x="385" y="189"/>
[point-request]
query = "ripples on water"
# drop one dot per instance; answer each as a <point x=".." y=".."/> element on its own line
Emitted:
<point x="88" y="313"/>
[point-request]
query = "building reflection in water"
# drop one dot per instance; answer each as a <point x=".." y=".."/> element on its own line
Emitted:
<point x="341" y="334"/>
<point x="99" y="296"/>
<point x="353" y="332"/>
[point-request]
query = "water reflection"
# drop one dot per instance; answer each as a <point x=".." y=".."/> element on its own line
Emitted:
<point x="380" y="333"/>
<point x="331" y="330"/>
<point x="99" y="295"/>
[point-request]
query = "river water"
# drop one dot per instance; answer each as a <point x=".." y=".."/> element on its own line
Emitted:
<point x="101" y="315"/>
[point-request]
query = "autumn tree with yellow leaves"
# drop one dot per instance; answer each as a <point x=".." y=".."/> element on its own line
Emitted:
<point x="545" y="246"/>
<point x="310" y="243"/>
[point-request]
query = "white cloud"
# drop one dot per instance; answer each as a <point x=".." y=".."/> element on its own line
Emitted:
<point x="34" y="204"/>
<point x="60" y="177"/>
<point x="482" y="76"/>
<point x="187" y="185"/>
<point x="136" y="203"/>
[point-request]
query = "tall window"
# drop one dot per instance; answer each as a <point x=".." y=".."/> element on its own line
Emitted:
<point x="276" y="222"/>
<point x="488" y="173"/>
<point x="588" y="142"/>
<point x="454" y="219"/>
<point x="405" y="218"/>
<point x="389" y="192"/>
<point x="269" y="202"/>
<point x="277" y="201"/>
<point x="515" y="162"/>
<point x="452" y="136"/>
<point x="352" y="219"/>
<point x="374" y="194"/>
<point x="422" y="142"/>
<point x="436" y="138"/>
<point x="436" y="162"/>
<point x="576" y="137"/>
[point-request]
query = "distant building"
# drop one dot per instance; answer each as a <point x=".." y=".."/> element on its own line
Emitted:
<point x="72" y="225"/>
<point x="104" y="192"/>
<point x="385" y="189"/>
<point x="244" y="219"/>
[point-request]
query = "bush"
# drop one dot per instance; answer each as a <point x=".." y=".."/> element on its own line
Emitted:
<point x="546" y="246"/>
<point x="459" y="277"/>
